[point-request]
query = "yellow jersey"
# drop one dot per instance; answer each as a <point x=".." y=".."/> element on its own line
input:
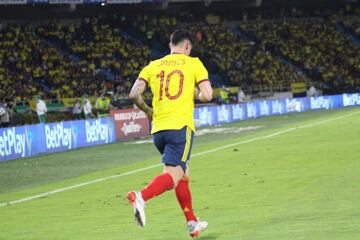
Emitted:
<point x="172" y="81"/>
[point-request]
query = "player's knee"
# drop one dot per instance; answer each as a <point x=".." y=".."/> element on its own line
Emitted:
<point x="176" y="178"/>
<point x="175" y="172"/>
<point x="187" y="173"/>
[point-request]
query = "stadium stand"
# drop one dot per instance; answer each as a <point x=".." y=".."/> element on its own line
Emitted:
<point x="98" y="49"/>
<point x="93" y="55"/>
<point x="354" y="25"/>
<point x="327" y="55"/>
<point x="66" y="61"/>
<point x="20" y="60"/>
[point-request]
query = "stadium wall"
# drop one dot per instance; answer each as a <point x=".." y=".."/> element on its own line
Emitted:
<point x="26" y="141"/>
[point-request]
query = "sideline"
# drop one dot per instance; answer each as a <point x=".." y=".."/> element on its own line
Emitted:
<point x="159" y="164"/>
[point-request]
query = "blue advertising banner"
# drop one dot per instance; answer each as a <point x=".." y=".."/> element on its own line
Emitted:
<point x="336" y="101"/>
<point x="294" y="105"/>
<point x="59" y="137"/>
<point x="251" y="109"/>
<point x="12" y="2"/>
<point x="94" y="1"/>
<point x="122" y="1"/>
<point x="65" y="1"/>
<point x="94" y="132"/>
<point x="223" y="114"/>
<point x="213" y="115"/>
<point x="204" y="116"/>
<point x="35" y="136"/>
<point x="239" y="112"/>
<point x="37" y="1"/>
<point x="13" y="143"/>
<point x="350" y="100"/>
<point x="264" y="108"/>
<point x="26" y="141"/>
<point x="323" y="102"/>
<point x="278" y="106"/>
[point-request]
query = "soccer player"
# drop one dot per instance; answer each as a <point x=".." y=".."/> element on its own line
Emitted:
<point x="174" y="81"/>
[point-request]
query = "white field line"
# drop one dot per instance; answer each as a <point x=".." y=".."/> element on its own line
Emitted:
<point x="193" y="155"/>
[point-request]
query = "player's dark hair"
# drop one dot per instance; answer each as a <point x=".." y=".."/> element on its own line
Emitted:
<point x="179" y="36"/>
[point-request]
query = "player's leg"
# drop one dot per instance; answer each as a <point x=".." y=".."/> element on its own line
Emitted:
<point x="182" y="190"/>
<point x="171" y="174"/>
<point x="183" y="195"/>
<point x="161" y="183"/>
<point x="157" y="186"/>
<point x="172" y="152"/>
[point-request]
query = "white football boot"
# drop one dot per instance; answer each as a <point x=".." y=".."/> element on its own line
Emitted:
<point x="196" y="227"/>
<point x="138" y="203"/>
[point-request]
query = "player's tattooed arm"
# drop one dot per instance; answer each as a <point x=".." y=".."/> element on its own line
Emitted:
<point x="136" y="96"/>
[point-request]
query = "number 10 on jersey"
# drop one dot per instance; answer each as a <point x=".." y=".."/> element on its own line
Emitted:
<point x="170" y="76"/>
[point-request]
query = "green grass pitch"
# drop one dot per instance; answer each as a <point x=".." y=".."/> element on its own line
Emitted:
<point x="296" y="177"/>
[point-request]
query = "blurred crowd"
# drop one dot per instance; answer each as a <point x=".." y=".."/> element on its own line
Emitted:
<point x="242" y="61"/>
<point x="62" y="61"/>
<point x="352" y="24"/>
<point x="20" y="59"/>
<point x="94" y="56"/>
<point x="317" y="46"/>
<point x="98" y="49"/>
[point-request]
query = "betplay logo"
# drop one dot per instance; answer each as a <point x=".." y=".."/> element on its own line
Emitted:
<point x="58" y="136"/>
<point x="205" y="116"/>
<point x="319" y="103"/>
<point x="251" y="110"/>
<point x="223" y="114"/>
<point x="277" y="107"/>
<point x="264" y="108"/>
<point x="238" y="112"/>
<point x="12" y="143"/>
<point x="293" y="105"/>
<point x="96" y="131"/>
<point x="351" y="99"/>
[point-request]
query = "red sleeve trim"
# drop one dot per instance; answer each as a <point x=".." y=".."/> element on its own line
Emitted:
<point x="142" y="79"/>
<point x="204" y="80"/>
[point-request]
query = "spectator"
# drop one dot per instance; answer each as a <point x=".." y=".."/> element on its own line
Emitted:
<point x="87" y="108"/>
<point x="223" y="96"/>
<point x="241" y="95"/>
<point x="312" y="91"/>
<point x="41" y="109"/>
<point x="4" y="115"/>
<point x="77" y="110"/>
<point x="103" y="105"/>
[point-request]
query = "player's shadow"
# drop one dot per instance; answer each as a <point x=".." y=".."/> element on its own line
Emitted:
<point x="209" y="237"/>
